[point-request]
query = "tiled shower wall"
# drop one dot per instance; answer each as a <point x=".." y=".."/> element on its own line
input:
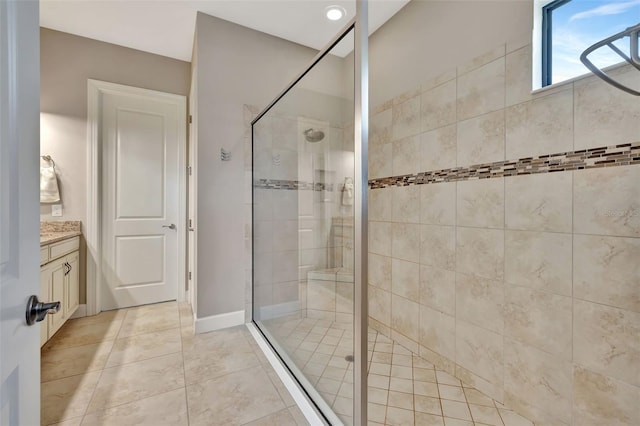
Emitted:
<point x="524" y="286"/>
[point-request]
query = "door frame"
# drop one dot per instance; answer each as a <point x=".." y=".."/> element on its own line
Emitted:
<point x="95" y="90"/>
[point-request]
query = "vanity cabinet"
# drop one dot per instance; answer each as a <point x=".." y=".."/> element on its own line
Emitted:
<point x="59" y="281"/>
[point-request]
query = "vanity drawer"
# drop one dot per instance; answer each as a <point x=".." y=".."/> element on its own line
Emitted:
<point x="57" y="250"/>
<point x="44" y="255"/>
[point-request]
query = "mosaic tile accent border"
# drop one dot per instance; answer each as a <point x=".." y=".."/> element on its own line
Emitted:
<point x="618" y="155"/>
<point x="294" y="185"/>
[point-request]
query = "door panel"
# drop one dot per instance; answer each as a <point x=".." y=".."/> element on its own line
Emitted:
<point x="140" y="145"/>
<point x="73" y="284"/>
<point x="57" y="271"/>
<point x="19" y="211"/>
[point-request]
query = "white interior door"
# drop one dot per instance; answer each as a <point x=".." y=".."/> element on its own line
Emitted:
<point x="141" y="136"/>
<point x="19" y="210"/>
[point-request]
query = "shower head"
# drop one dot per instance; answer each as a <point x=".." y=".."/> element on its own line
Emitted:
<point x="313" y="135"/>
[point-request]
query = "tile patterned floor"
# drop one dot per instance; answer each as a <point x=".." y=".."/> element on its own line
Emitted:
<point x="144" y="366"/>
<point x="404" y="389"/>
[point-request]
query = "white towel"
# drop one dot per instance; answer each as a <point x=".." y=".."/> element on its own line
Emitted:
<point x="347" y="192"/>
<point x="49" y="192"/>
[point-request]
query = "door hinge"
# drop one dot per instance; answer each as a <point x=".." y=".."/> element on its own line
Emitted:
<point x="190" y="223"/>
<point x="189" y="275"/>
<point x="190" y="119"/>
<point x="189" y="170"/>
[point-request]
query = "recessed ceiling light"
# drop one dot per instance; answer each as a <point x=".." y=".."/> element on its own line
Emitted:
<point x="335" y="13"/>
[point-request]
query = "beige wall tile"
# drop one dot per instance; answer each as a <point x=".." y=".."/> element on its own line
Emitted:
<point x="606" y="270"/>
<point x="607" y="340"/>
<point x="605" y="115"/>
<point x="480" y="203"/>
<point x="600" y="210"/>
<point x="493" y="390"/>
<point x="439" y="106"/>
<point x="438" y="80"/>
<point x="380" y="271"/>
<point x="600" y="400"/>
<point x="480" y="301"/>
<point x="539" y="319"/>
<point x="438" y="204"/>
<point x="539" y="202"/>
<point x="406" y="241"/>
<point x="544" y="380"/>
<point x="405" y="279"/>
<point x="541" y="126"/>
<point x="380" y="203"/>
<point x="406" y="204"/>
<point x="518" y="76"/>
<point x="380" y="238"/>
<point x="380" y="160"/>
<point x="438" y="246"/>
<point x="406" y="118"/>
<point x="437" y="332"/>
<point x="406" y="156"/>
<point x="483" y="59"/>
<point x="380" y="128"/>
<point x="480" y="252"/>
<point x="438" y="148"/>
<point x="539" y="260"/>
<point x="438" y="289"/>
<point x="480" y="351"/>
<point x="380" y="305"/>
<point x="481" y="90"/>
<point x="481" y="139"/>
<point x="321" y="295"/>
<point x="405" y="316"/>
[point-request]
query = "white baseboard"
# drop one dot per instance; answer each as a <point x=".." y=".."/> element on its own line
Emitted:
<point x="80" y="312"/>
<point x="279" y="310"/>
<point x="217" y="322"/>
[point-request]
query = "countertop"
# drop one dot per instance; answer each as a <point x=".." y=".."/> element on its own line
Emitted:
<point x="52" y="232"/>
<point x="54" y="237"/>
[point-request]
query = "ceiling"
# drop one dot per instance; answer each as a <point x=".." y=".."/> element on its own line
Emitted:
<point x="166" y="27"/>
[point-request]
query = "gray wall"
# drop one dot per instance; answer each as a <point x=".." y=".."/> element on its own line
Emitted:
<point x="236" y="66"/>
<point x="426" y="38"/>
<point x="66" y="62"/>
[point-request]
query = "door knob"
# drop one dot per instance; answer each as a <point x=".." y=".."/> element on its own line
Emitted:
<point x="172" y="226"/>
<point x="36" y="310"/>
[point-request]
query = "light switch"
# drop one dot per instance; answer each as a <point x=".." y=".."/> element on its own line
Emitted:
<point x="56" y="210"/>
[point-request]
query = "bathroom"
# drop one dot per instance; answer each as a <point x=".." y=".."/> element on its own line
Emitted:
<point x="502" y="218"/>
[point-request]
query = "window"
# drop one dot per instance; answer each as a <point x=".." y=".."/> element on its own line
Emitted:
<point x="568" y="27"/>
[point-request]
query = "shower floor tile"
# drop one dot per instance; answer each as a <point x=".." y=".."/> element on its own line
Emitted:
<point x="404" y="389"/>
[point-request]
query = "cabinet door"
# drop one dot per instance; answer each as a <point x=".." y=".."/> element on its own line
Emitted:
<point x="72" y="284"/>
<point x="57" y="269"/>
<point x="45" y="275"/>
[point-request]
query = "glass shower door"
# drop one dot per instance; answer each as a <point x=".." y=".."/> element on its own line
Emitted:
<point x="303" y="230"/>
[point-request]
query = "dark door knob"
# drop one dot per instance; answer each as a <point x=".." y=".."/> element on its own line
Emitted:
<point x="36" y="310"/>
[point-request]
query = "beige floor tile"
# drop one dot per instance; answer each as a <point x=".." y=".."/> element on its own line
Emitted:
<point x="168" y="408"/>
<point x="424" y="375"/>
<point x="400" y="400"/>
<point x="447" y="379"/>
<point x="426" y="389"/>
<point x="280" y="418"/>
<point x="147" y="319"/>
<point x="376" y="412"/>
<point x="424" y="419"/>
<point x="383" y="369"/>
<point x="455" y="409"/>
<point x="236" y="398"/>
<point x="377" y="396"/>
<point x="429" y="405"/>
<point x="298" y="416"/>
<point x="485" y="415"/>
<point x="75" y="333"/>
<point x="448" y="421"/>
<point x="69" y="422"/>
<point x="401" y="385"/>
<point x="400" y="417"/>
<point x="60" y="363"/>
<point x="138" y="380"/>
<point x="207" y="360"/>
<point x="145" y="346"/>
<point x="280" y="387"/>
<point x="66" y="398"/>
<point x="474" y="396"/>
<point x="453" y="393"/>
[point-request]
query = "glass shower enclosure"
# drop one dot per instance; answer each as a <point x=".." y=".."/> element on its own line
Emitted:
<point x="305" y="219"/>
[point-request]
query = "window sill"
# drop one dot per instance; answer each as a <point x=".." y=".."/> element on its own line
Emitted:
<point x="580" y="77"/>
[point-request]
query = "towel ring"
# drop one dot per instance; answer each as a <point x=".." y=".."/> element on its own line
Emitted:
<point x="49" y="159"/>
